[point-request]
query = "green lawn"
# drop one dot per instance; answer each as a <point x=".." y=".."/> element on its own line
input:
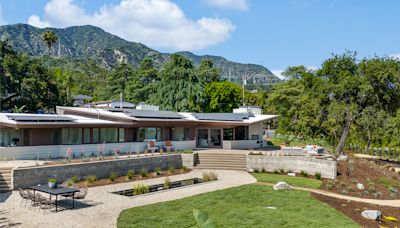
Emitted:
<point x="293" y="181"/>
<point x="243" y="206"/>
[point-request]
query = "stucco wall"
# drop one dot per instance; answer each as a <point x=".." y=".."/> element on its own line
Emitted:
<point x="24" y="177"/>
<point x="59" y="151"/>
<point x="189" y="160"/>
<point x="295" y="164"/>
<point x="256" y="129"/>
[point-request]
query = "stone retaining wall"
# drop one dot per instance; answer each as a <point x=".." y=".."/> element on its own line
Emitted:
<point x="24" y="177"/>
<point x="296" y="164"/>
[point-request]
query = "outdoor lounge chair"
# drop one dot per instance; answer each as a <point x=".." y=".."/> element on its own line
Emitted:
<point x="81" y="194"/>
<point x="43" y="202"/>
<point x="152" y="147"/>
<point x="168" y="146"/>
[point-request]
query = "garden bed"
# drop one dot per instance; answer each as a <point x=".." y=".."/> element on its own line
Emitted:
<point x="160" y="187"/>
<point x="379" y="181"/>
<point x="353" y="210"/>
<point x="124" y="179"/>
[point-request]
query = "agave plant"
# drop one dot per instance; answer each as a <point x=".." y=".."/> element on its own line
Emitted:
<point x="202" y="219"/>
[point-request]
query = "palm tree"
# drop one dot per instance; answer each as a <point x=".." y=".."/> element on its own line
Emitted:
<point x="49" y="38"/>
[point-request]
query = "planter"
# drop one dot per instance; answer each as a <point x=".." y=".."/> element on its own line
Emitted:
<point x="52" y="184"/>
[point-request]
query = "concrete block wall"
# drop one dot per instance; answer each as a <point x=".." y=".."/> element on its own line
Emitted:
<point x="24" y="177"/>
<point x="189" y="160"/>
<point x="310" y="165"/>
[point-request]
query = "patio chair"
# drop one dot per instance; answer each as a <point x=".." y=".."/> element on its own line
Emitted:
<point x="24" y="196"/>
<point x="168" y="146"/>
<point x="44" y="202"/>
<point x="152" y="147"/>
<point x="81" y="194"/>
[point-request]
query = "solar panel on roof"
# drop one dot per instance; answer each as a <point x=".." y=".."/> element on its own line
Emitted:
<point x="222" y="116"/>
<point x="39" y="118"/>
<point x="154" y="114"/>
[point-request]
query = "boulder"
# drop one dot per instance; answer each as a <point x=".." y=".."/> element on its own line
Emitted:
<point x="251" y="170"/>
<point x="342" y="157"/>
<point x="281" y="186"/>
<point x="360" y="186"/>
<point x="291" y="174"/>
<point x="372" y="214"/>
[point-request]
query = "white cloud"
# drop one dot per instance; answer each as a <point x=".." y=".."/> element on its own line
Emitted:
<point x="230" y="4"/>
<point x="157" y="23"/>
<point x="395" y="56"/>
<point x="279" y="74"/>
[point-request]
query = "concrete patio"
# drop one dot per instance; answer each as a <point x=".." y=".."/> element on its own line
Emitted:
<point x="103" y="208"/>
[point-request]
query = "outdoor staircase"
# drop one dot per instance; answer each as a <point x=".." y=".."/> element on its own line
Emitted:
<point x="5" y="179"/>
<point x="228" y="161"/>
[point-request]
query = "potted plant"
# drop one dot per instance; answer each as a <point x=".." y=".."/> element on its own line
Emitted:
<point x="52" y="183"/>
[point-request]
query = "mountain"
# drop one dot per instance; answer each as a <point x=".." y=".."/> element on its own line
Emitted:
<point x="90" y="42"/>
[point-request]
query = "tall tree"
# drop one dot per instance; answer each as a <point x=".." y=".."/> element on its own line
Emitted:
<point x="222" y="96"/>
<point x="180" y="88"/>
<point x="49" y="39"/>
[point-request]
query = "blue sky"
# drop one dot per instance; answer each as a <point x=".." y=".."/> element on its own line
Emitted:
<point x="274" y="33"/>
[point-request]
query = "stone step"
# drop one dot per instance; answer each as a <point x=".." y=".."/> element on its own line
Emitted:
<point x="220" y="165"/>
<point x="222" y="155"/>
<point x="221" y="159"/>
<point x="221" y="168"/>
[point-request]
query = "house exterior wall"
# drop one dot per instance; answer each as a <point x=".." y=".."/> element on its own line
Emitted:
<point x="40" y="136"/>
<point x="60" y="151"/>
<point x="256" y="129"/>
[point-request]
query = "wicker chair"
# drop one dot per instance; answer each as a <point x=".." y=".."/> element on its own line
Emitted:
<point x="81" y="194"/>
<point x="24" y="197"/>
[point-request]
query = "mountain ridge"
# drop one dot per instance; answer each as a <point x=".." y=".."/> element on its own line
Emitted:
<point x="91" y="42"/>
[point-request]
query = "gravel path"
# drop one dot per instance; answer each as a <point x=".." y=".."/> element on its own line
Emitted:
<point x="106" y="207"/>
<point x="391" y="203"/>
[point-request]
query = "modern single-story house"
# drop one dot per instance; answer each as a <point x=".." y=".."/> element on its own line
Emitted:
<point x="90" y="131"/>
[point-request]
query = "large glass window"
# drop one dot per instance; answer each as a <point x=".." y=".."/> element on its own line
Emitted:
<point x="241" y="133"/>
<point x="109" y="135"/>
<point x="96" y="135"/>
<point x="228" y="133"/>
<point x="134" y="134"/>
<point x="71" y="135"/>
<point x="121" y="135"/>
<point x="178" y="134"/>
<point x="55" y="136"/>
<point x="86" y="135"/>
<point x="10" y="137"/>
<point x="27" y="135"/>
<point x="150" y="133"/>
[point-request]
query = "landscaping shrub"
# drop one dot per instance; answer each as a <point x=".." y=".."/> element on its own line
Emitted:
<point x="263" y="170"/>
<point x="171" y="169"/>
<point x="140" y="189"/>
<point x="184" y="169"/>
<point x="318" y="176"/>
<point x="206" y="177"/>
<point x="157" y="170"/>
<point x="113" y="176"/>
<point x="256" y="171"/>
<point x="345" y="192"/>
<point x="276" y="171"/>
<point x="269" y="143"/>
<point x="143" y="172"/>
<point x="304" y="174"/>
<point x="167" y="183"/>
<point x="91" y="179"/>
<point x="349" y="188"/>
<point x="281" y="170"/>
<point x="213" y="176"/>
<point x="330" y="184"/>
<point x="75" y="179"/>
<point x="130" y="174"/>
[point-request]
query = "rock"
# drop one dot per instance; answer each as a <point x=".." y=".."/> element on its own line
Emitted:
<point x="251" y="170"/>
<point x="291" y="174"/>
<point x="360" y="186"/>
<point x="273" y="208"/>
<point x="281" y="186"/>
<point x="372" y="214"/>
<point x="342" y="157"/>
